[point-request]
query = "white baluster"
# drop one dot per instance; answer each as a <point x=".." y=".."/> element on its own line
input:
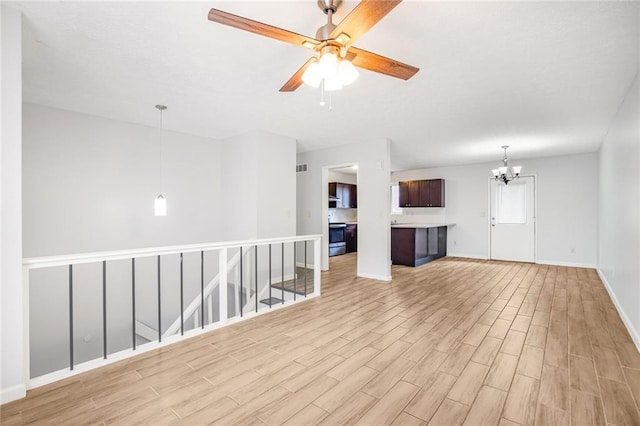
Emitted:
<point x="316" y="266"/>
<point x="222" y="256"/>
<point x="236" y="289"/>
<point x="210" y="304"/>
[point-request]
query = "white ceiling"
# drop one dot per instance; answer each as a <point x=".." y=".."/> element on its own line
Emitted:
<point x="543" y="77"/>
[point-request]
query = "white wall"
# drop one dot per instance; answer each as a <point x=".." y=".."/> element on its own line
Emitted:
<point x="12" y="379"/>
<point x="373" y="160"/>
<point x="276" y="186"/>
<point x="90" y="183"/>
<point x="619" y="211"/>
<point x="239" y="188"/>
<point x="259" y="186"/>
<point x="567" y="203"/>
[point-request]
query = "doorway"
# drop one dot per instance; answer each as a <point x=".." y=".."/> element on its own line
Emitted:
<point x="342" y="236"/>
<point x="512" y="224"/>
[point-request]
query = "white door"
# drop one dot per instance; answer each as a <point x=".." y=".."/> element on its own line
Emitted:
<point x="513" y="220"/>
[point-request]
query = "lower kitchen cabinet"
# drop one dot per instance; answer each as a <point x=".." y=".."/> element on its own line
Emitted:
<point x="417" y="246"/>
<point x="351" y="238"/>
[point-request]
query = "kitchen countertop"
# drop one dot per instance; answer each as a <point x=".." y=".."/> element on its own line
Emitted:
<point x="420" y="225"/>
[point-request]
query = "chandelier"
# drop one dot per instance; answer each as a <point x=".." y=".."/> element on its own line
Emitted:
<point x="506" y="173"/>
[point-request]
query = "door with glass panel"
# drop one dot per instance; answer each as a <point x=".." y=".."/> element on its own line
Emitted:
<point x="513" y="220"/>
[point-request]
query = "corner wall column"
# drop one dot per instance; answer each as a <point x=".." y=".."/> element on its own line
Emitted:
<point x="14" y="312"/>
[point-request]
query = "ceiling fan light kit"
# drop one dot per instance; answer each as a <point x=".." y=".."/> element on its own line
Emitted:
<point x="334" y="64"/>
<point x="334" y="72"/>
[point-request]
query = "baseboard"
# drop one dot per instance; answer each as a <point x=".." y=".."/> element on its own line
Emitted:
<point x="541" y="262"/>
<point x="13" y="393"/>
<point x="568" y="264"/>
<point x="301" y="265"/>
<point x="468" y="256"/>
<point x="635" y="336"/>
<point x="374" y="277"/>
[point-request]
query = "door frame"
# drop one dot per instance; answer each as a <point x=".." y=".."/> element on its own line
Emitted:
<point x="535" y="215"/>
<point x="325" y="211"/>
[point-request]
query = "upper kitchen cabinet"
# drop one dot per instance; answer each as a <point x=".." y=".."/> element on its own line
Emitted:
<point x="353" y="196"/>
<point x="346" y="194"/>
<point x="333" y="193"/>
<point x="433" y="193"/>
<point x="409" y="193"/>
<point x="421" y="193"/>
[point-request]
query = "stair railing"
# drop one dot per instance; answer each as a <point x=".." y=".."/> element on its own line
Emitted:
<point x="176" y="330"/>
<point x="196" y="304"/>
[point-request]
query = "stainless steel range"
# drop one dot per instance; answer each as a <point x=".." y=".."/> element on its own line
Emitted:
<point x="337" y="238"/>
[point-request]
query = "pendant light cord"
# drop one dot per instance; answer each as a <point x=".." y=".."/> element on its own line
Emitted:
<point x="161" y="177"/>
<point x="161" y="108"/>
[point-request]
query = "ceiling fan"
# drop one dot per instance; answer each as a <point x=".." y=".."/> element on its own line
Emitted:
<point x="335" y="56"/>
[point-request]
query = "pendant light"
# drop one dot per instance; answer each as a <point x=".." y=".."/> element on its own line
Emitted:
<point x="160" y="204"/>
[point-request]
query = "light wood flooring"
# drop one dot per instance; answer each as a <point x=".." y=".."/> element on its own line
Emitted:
<point x="456" y="341"/>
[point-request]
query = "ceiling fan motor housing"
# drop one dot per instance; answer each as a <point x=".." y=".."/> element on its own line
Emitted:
<point x="329" y="5"/>
<point x="324" y="31"/>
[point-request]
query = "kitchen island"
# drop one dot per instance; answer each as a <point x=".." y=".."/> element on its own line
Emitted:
<point x="414" y="244"/>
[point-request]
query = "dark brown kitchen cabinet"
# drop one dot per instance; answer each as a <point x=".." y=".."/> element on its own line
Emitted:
<point x="417" y="246"/>
<point x="346" y="193"/>
<point x="351" y="238"/>
<point x="409" y="193"/>
<point x="333" y="192"/>
<point x="353" y="196"/>
<point x="421" y="193"/>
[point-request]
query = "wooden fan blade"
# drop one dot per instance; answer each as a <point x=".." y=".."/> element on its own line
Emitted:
<point x="256" y="27"/>
<point x="362" y="18"/>
<point x="296" y="80"/>
<point x="374" y="62"/>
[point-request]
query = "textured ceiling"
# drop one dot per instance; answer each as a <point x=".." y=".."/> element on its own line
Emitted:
<point x="543" y="77"/>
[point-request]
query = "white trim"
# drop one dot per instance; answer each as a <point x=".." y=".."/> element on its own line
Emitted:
<point x="50" y="261"/>
<point x="13" y="393"/>
<point x="301" y="265"/>
<point x="374" y="277"/>
<point x="128" y="353"/>
<point x="26" y="341"/>
<point x="468" y="256"/>
<point x="635" y="336"/>
<point x="324" y="191"/>
<point x="568" y="264"/>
